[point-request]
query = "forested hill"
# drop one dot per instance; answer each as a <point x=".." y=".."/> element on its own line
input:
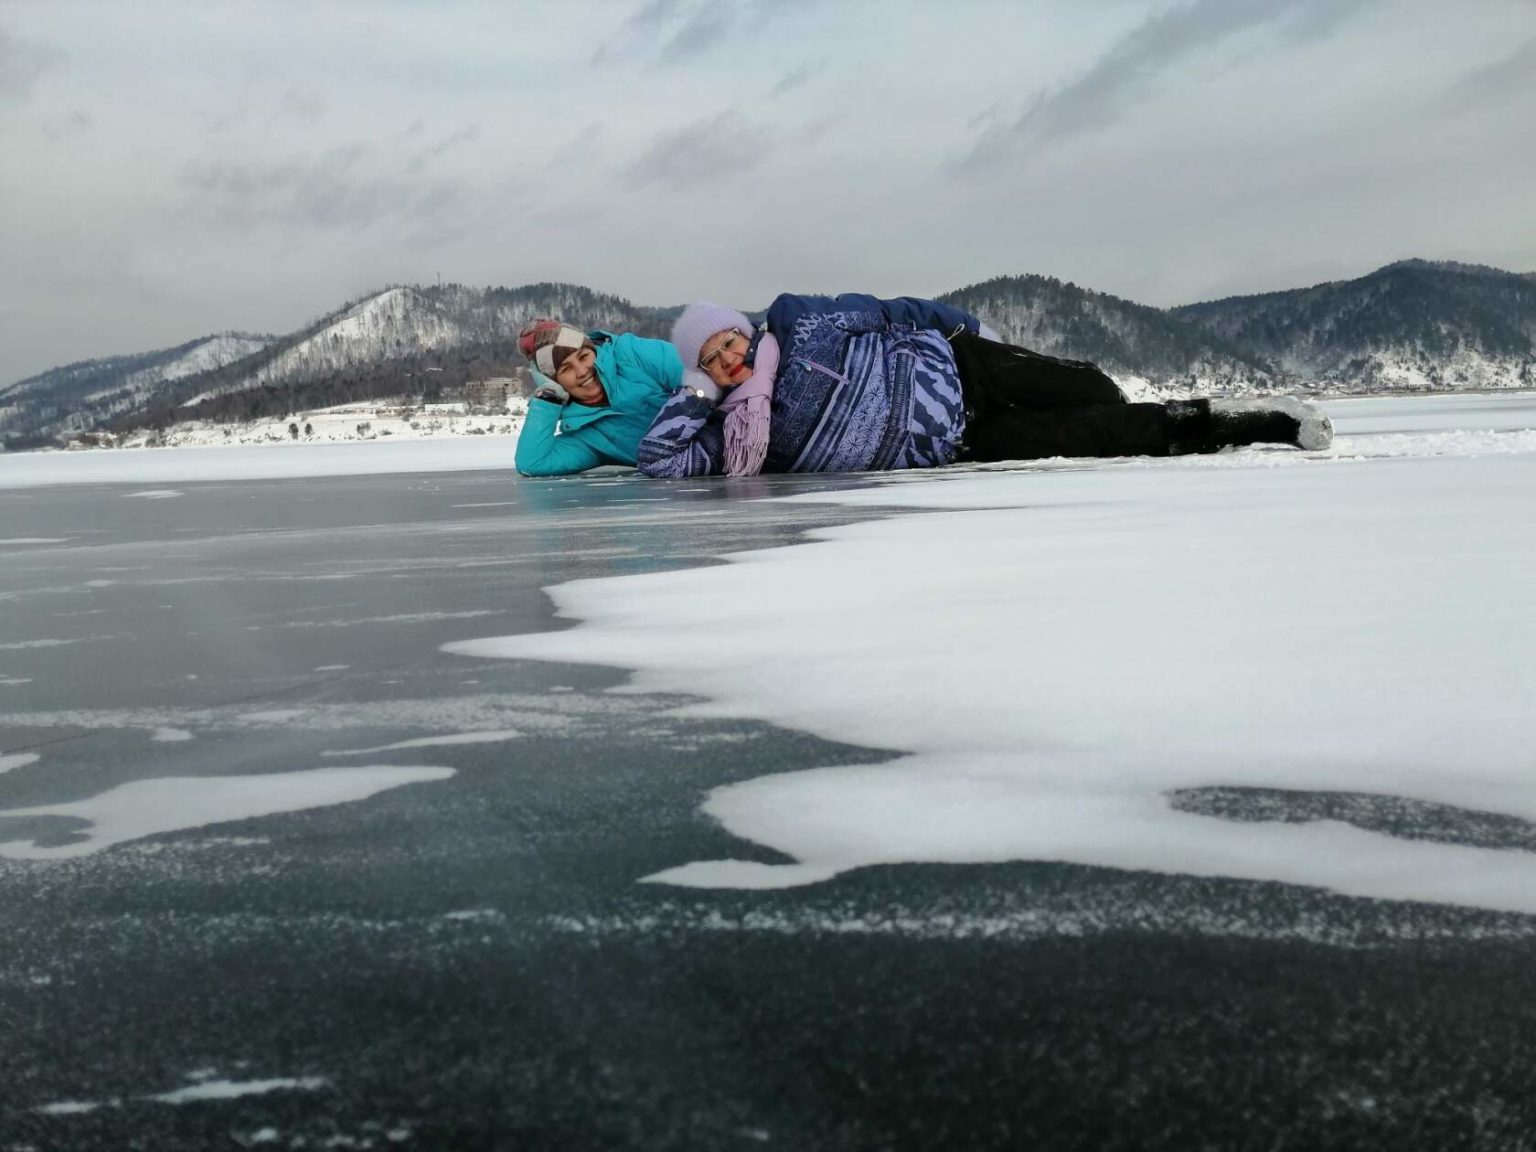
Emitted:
<point x="405" y="339"/>
<point x="1413" y="324"/>
<point x="1123" y="338"/>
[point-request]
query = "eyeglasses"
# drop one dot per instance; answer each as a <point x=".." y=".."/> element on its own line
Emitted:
<point x="732" y="339"/>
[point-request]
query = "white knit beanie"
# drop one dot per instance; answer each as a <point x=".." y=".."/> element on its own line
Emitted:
<point x="701" y="321"/>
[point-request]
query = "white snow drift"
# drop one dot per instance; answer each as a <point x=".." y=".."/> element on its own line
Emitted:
<point x="1060" y="648"/>
<point x="149" y="807"/>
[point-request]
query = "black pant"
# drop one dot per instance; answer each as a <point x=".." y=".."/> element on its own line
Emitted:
<point x="1020" y="405"/>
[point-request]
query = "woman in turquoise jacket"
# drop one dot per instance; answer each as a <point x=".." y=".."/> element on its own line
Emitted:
<point x="598" y="396"/>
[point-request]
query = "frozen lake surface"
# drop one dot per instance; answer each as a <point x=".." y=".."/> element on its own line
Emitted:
<point x="1082" y="804"/>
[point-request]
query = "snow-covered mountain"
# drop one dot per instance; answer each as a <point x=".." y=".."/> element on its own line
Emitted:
<point x="407" y="321"/>
<point x="403" y="340"/>
<point x="1414" y="324"/>
<point x="92" y="393"/>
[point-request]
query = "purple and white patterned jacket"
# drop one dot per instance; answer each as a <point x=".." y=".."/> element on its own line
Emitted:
<point x="863" y="385"/>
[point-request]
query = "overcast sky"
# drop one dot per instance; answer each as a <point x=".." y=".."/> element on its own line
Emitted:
<point x="168" y="170"/>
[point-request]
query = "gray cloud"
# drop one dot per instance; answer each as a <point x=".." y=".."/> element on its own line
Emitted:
<point x="988" y="118"/>
<point x="338" y="190"/>
<point x="466" y="135"/>
<point x="1135" y="64"/>
<point x="1316" y="19"/>
<point x="797" y="77"/>
<point x="692" y="156"/>
<point x="650" y="14"/>
<point x="675" y="31"/>
<point x="707" y="29"/>
<point x="759" y="12"/>
<point x="302" y="105"/>
<point x="21" y="64"/>
<point x="646" y="24"/>
<point x="221" y="123"/>
<point x="1510" y="76"/>
<point x="585" y="140"/>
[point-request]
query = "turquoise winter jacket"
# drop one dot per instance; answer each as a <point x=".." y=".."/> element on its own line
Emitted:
<point x="638" y="375"/>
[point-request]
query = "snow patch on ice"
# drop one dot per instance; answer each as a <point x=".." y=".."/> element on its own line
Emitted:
<point x="68" y="1107"/>
<point x="154" y="494"/>
<point x="476" y="915"/>
<point x="35" y="540"/>
<point x="143" y="808"/>
<point x="273" y="716"/>
<point x="233" y="1089"/>
<point x="399" y="618"/>
<point x="9" y="763"/>
<point x="742" y="874"/>
<point x="202" y="1088"/>
<point x="433" y="742"/>
<point x="171" y="735"/>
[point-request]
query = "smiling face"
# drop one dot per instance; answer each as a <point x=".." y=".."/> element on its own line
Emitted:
<point x="724" y="357"/>
<point x="577" y="374"/>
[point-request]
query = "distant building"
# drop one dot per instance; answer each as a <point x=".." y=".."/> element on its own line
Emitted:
<point x="490" y="393"/>
<point x="493" y="393"/>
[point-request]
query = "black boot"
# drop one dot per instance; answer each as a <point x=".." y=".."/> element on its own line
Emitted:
<point x="1189" y="427"/>
<point x="1211" y="425"/>
<point x="1270" y="420"/>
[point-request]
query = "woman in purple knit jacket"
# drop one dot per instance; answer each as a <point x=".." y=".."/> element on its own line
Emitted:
<point x="854" y="383"/>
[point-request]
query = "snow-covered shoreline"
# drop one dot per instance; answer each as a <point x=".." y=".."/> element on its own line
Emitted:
<point x="340" y="424"/>
<point x="443" y="438"/>
<point x="349" y="440"/>
<point x="289" y="461"/>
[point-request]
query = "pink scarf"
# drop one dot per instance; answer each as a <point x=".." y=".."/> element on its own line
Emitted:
<point x="746" y="409"/>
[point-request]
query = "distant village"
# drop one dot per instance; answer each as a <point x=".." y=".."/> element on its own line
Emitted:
<point x="491" y="407"/>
